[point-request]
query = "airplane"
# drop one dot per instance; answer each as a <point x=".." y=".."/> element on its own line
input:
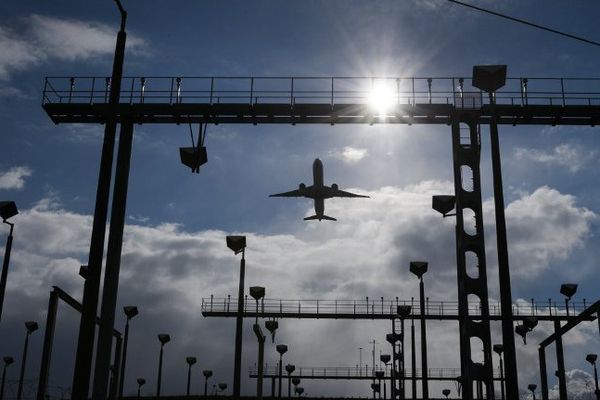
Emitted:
<point x="318" y="192"/>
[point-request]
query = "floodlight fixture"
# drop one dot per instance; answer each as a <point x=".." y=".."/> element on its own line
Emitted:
<point x="385" y="358"/>
<point x="257" y="292"/>
<point x="530" y="322"/>
<point x="236" y="243"/>
<point x="8" y="360"/>
<point x="296" y="381"/>
<point x="141" y="381"/>
<point x="532" y="387"/>
<point x="130" y="311"/>
<point x="379" y="374"/>
<point x="446" y="392"/>
<point x="193" y="157"/>
<point x="281" y="349"/>
<point x="272" y="326"/>
<point x="393" y="337"/>
<point x="299" y="390"/>
<point x="418" y="268"/>
<point x="403" y="311"/>
<point x="591" y="358"/>
<point x="489" y="78"/>
<point x="521" y="330"/>
<point x="443" y="204"/>
<point x="290" y="368"/>
<point x="8" y="209"/>
<point x="207" y="373"/>
<point x="375" y="387"/>
<point x="31" y="326"/>
<point x="568" y="290"/>
<point x="222" y="386"/>
<point x="498" y="348"/>
<point x="190" y="360"/>
<point x="164" y="338"/>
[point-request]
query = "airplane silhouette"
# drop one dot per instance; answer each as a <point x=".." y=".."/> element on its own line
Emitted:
<point x="318" y="192"/>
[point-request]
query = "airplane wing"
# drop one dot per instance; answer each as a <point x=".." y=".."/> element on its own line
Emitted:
<point x="342" y="193"/>
<point x="295" y="193"/>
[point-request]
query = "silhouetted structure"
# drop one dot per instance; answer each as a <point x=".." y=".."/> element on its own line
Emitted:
<point x="7" y="362"/>
<point x="130" y="312"/>
<point x="190" y="361"/>
<point x="238" y="245"/>
<point x="8" y="209"/>
<point x="30" y="326"/>
<point x="163" y="338"/>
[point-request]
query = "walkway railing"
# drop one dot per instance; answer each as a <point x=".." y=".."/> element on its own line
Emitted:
<point x="379" y="92"/>
<point x="364" y="371"/>
<point x="382" y="306"/>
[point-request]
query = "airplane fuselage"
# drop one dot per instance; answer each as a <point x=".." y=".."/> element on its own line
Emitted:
<point x="319" y="199"/>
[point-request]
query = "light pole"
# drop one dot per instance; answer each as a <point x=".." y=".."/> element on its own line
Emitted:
<point x="258" y="292"/>
<point x="360" y="360"/>
<point x="238" y="245"/>
<point x="380" y="375"/>
<point x="289" y="369"/>
<point x="568" y="290"/>
<point x="207" y="374"/>
<point x="31" y="327"/>
<point x="8" y="209"/>
<point x="385" y="359"/>
<point x="295" y="382"/>
<point x="141" y="382"/>
<point x="7" y="361"/>
<point x="190" y="361"/>
<point x="419" y="268"/>
<point x="130" y="312"/>
<point x="498" y="348"/>
<point x="163" y="338"/>
<point x="532" y="387"/>
<point x="281" y="349"/>
<point x="591" y="358"/>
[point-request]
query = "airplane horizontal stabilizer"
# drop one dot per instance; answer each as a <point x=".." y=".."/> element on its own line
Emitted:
<point x="320" y="218"/>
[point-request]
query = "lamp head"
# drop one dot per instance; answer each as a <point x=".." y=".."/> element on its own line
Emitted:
<point x="393" y="337"/>
<point x="141" y="381"/>
<point x="532" y="387"/>
<point x="290" y="368"/>
<point x="489" y="78"/>
<point x="207" y="373"/>
<point x="591" y="358"/>
<point x="375" y="387"/>
<point x="498" y="348"/>
<point x="236" y="243"/>
<point x="222" y="386"/>
<point x="379" y="374"/>
<point x="281" y="349"/>
<point x="8" y="209"/>
<point x="299" y="390"/>
<point x="257" y="292"/>
<point x="272" y="326"/>
<point x="568" y="289"/>
<point x="164" y="338"/>
<point x="418" y="268"/>
<point x="8" y="360"/>
<point x="443" y="203"/>
<point x="130" y="311"/>
<point x="403" y="311"/>
<point x="446" y="392"/>
<point x="31" y="326"/>
<point x="296" y="381"/>
<point x="385" y="358"/>
<point x="530" y="322"/>
<point x="190" y="360"/>
<point x="193" y="157"/>
<point x="521" y="330"/>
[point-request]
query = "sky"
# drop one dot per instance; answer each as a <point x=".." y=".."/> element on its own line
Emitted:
<point x="174" y="251"/>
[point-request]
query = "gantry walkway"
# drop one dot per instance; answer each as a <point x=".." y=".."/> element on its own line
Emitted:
<point x="383" y="309"/>
<point x="330" y="100"/>
<point x="359" y="373"/>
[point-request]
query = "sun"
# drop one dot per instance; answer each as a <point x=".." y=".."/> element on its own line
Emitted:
<point x="381" y="98"/>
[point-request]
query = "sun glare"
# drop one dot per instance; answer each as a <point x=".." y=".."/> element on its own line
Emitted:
<point x="381" y="98"/>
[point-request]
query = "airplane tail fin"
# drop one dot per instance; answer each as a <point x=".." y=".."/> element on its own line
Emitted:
<point x="320" y="218"/>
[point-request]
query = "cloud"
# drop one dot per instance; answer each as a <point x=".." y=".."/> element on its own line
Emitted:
<point x="564" y="155"/>
<point x="166" y="270"/>
<point x="349" y="154"/>
<point x="544" y="227"/>
<point x="43" y="38"/>
<point x="14" y="178"/>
